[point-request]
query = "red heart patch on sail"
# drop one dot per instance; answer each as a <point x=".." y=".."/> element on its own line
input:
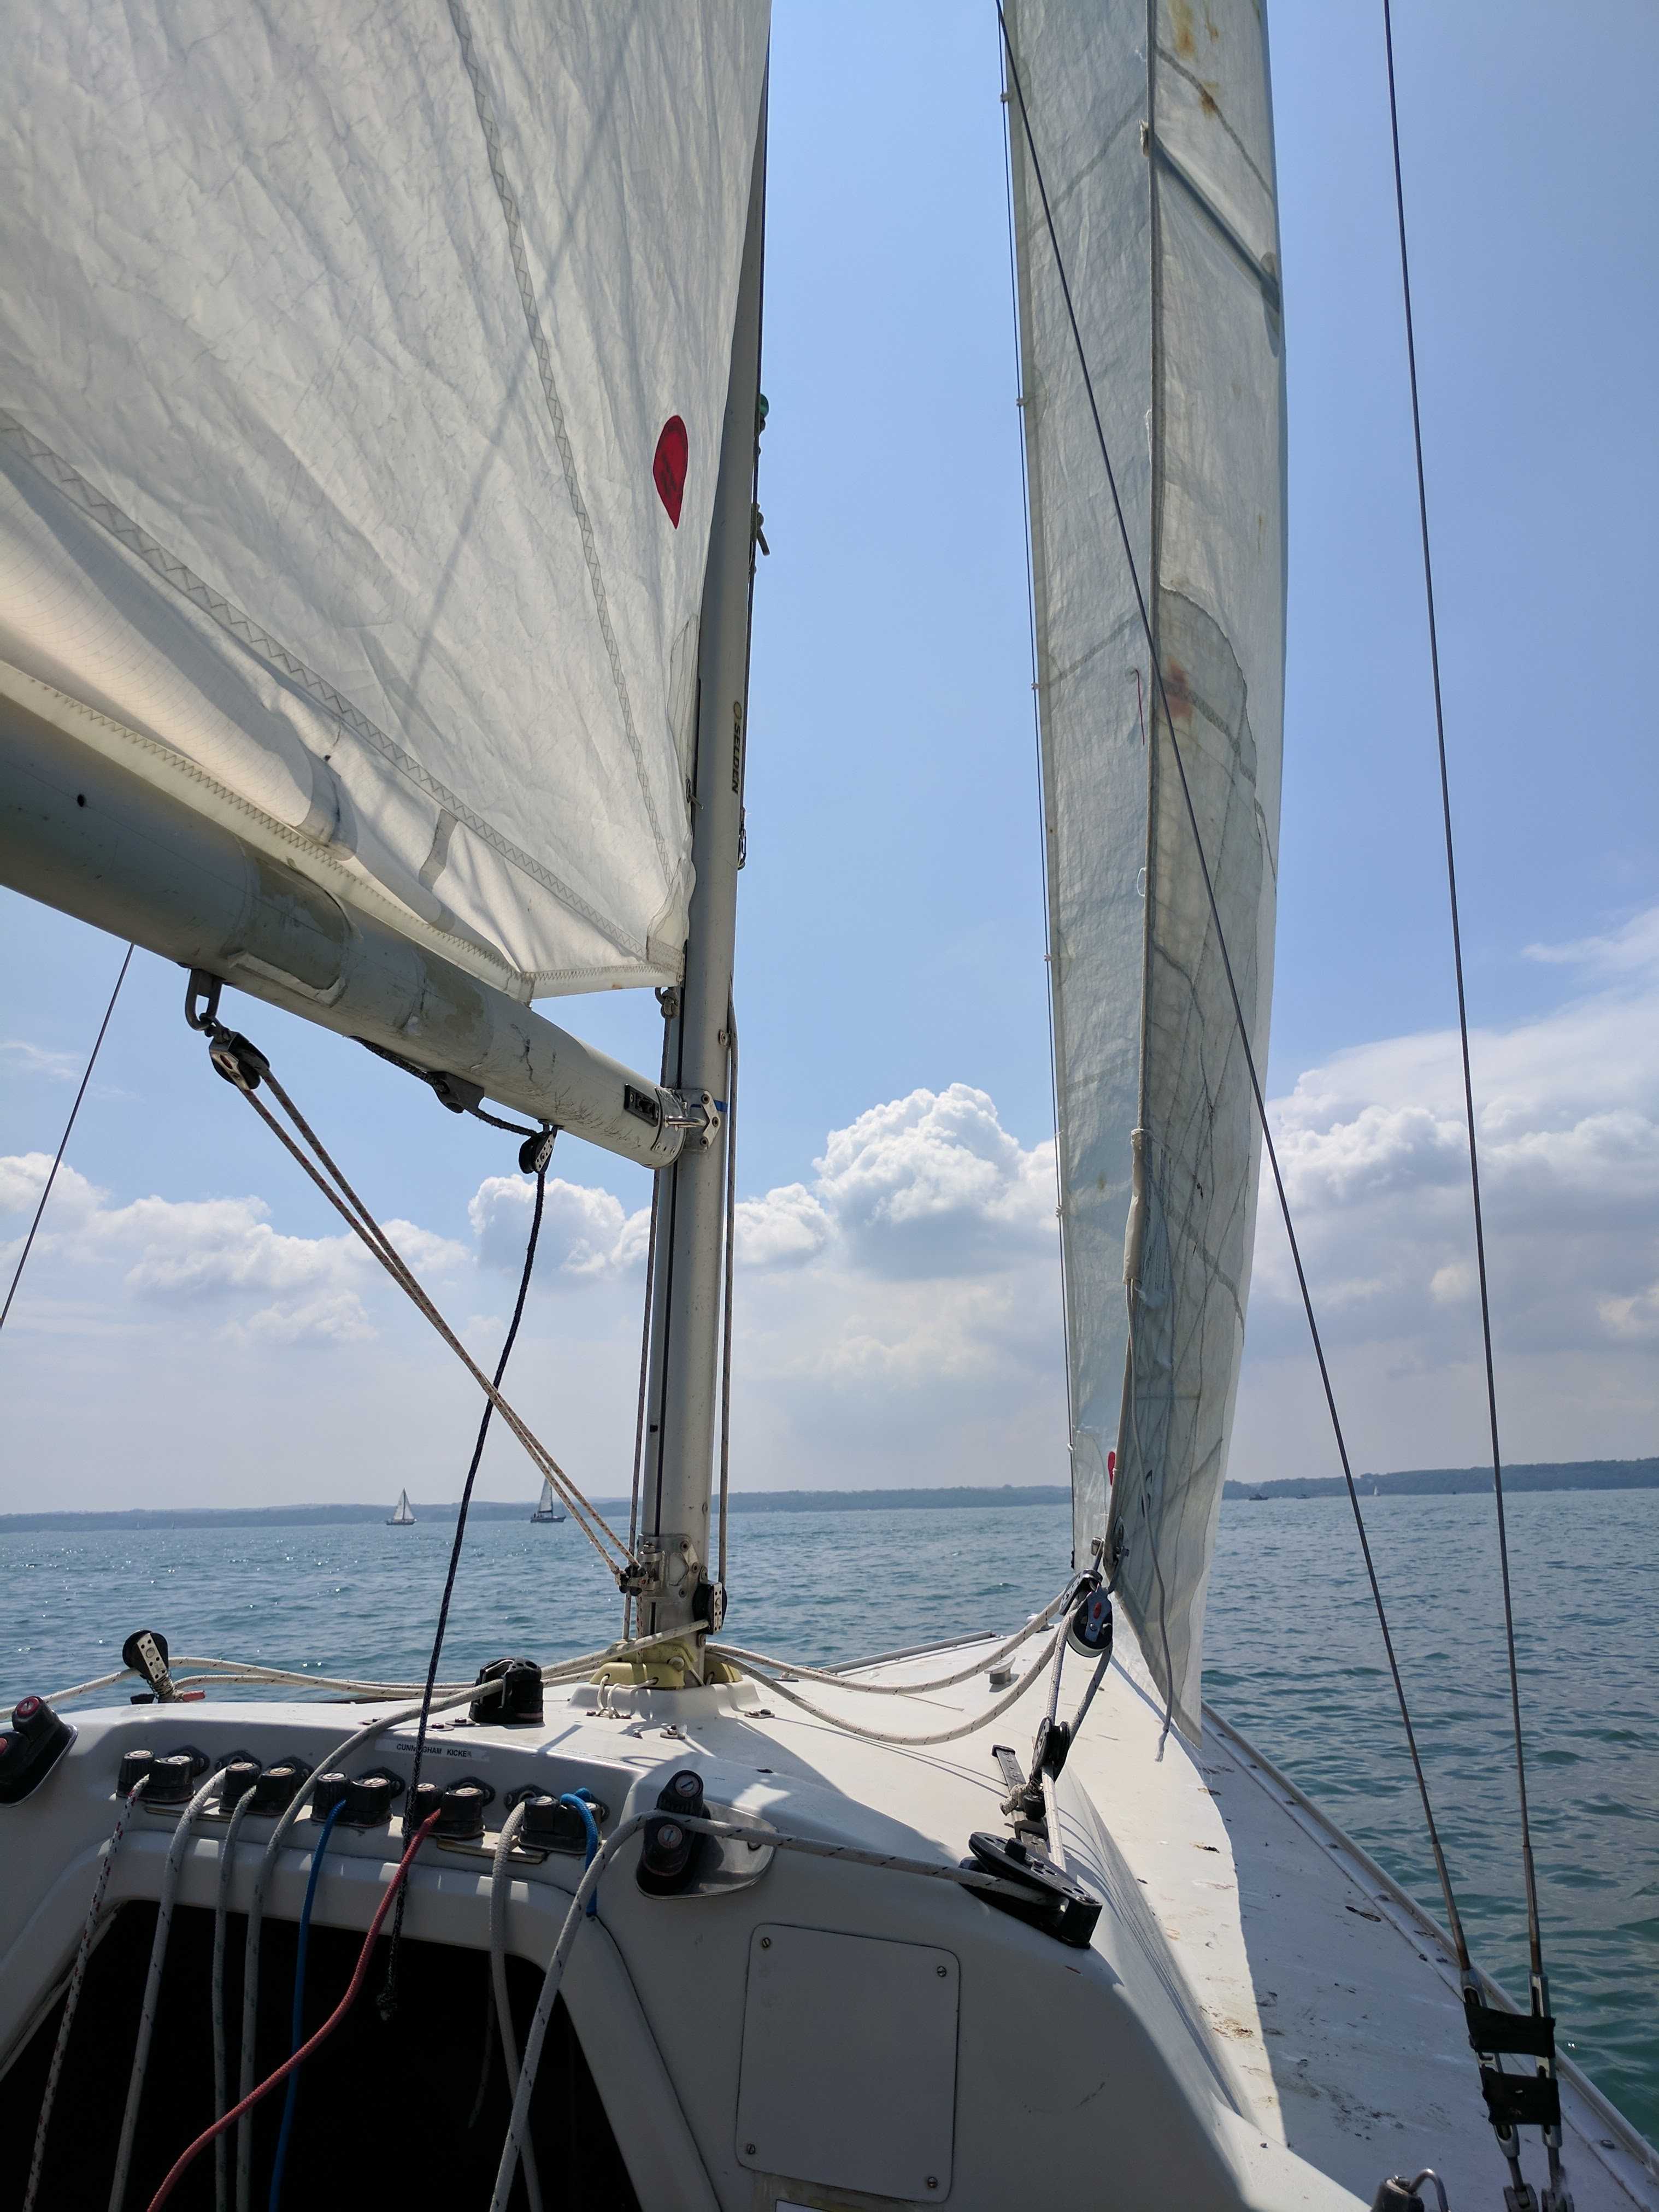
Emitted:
<point x="668" y="467"/>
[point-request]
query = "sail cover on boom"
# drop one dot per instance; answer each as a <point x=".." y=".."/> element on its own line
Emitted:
<point x="1153" y="131"/>
<point x="362" y="369"/>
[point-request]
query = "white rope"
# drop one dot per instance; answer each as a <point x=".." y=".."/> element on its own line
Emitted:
<point x="987" y="1660"/>
<point x="337" y="1757"/>
<point x="72" y="1995"/>
<point x="887" y="1862"/>
<point x="251" y="1671"/>
<point x="98" y="1682"/>
<point x="220" y="2053"/>
<point x="158" y="1952"/>
<point x="501" y="1882"/>
<point x="968" y="1727"/>
<point x="518" y="2126"/>
<point x="301" y="1797"/>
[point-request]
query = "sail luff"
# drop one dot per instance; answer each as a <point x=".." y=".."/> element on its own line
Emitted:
<point x="1154" y="128"/>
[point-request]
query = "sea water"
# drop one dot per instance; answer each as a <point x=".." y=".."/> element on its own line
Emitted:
<point x="1293" y="1659"/>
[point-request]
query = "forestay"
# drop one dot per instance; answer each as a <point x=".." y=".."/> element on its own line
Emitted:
<point x="1159" y="170"/>
<point x="362" y="368"/>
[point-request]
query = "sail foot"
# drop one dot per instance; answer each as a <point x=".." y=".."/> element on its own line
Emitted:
<point x="84" y="834"/>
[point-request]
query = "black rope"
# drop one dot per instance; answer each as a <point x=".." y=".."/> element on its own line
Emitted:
<point x="62" y="1142"/>
<point x="246" y="1067"/>
<point x="388" y="1997"/>
<point x="1453" y="1917"/>
<point x="1535" y="1933"/>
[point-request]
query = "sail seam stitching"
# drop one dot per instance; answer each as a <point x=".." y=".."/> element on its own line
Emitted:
<point x="543" y="352"/>
<point x="230" y="618"/>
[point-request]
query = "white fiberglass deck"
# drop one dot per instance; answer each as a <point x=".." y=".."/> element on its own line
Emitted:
<point x="1261" y="2020"/>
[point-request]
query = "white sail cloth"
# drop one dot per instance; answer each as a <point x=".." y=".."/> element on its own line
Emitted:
<point x="1160" y="171"/>
<point x="362" y="368"/>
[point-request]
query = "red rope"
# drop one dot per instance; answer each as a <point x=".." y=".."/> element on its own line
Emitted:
<point x="359" y="1972"/>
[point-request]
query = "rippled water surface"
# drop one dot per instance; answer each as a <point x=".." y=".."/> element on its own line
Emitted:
<point x="1293" y="1655"/>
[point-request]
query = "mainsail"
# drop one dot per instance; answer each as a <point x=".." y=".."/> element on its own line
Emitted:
<point x="1152" y="127"/>
<point x="363" y="371"/>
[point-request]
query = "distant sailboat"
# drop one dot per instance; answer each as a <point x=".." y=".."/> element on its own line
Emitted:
<point x="403" y="1513"/>
<point x="549" y="1507"/>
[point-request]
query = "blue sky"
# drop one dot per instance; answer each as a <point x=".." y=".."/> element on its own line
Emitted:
<point x="902" y="1322"/>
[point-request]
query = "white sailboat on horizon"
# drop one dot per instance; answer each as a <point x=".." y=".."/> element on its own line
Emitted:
<point x="548" y="1509"/>
<point x="402" y="1515"/>
<point x="377" y="528"/>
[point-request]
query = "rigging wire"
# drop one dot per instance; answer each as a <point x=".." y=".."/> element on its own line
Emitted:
<point x="1454" y="1919"/>
<point x="62" y="1142"/>
<point x="387" y="2000"/>
<point x="1505" y="2127"/>
<point x="1535" y="1937"/>
<point x="245" y="1067"/>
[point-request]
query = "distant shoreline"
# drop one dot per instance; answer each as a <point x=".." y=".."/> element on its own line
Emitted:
<point x="1460" y="1481"/>
<point x="1420" y="1482"/>
<point x="960" y="1495"/>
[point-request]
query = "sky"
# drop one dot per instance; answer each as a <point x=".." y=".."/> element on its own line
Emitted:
<point x="191" y="1329"/>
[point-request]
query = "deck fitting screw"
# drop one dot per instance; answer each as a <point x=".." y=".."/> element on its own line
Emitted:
<point x="749" y="2150"/>
<point x="766" y="1944"/>
<point x="939" y="1971"/>
<point x="932" y="2181"/>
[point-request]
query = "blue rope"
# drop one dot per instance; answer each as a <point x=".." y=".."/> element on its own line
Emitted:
<point x="293" y="2096"/>
<point x="577" y="1801"/>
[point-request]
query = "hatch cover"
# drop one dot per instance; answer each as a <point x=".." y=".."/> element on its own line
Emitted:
<point x="849" y="2061"/>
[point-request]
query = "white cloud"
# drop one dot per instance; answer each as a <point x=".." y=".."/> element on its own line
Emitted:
<point x="333" y="1318"/>
<point x="37" y="1060"/>
<point x="218" y="1253"/>
<point x="1376" y="1163"/>
<point x="934" y="1182"/>
<point x="898" y="1307"/>
<point x="584" y="1232"/>
<point x="785" y="1229"/>
<point x="430" y="1256"/>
